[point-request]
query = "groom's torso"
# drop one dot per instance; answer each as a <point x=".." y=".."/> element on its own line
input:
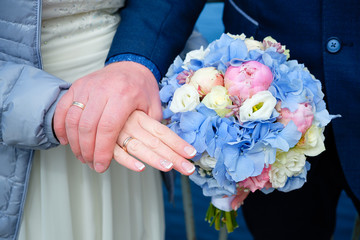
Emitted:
<point x="324" y="35"/>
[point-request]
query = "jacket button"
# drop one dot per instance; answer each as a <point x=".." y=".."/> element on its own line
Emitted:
<point x="333" y="45"/>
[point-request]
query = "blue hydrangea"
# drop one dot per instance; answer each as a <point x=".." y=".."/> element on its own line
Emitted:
<point x="211" y="187"/>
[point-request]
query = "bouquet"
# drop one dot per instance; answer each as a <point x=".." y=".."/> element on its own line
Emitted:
<point x="252" y="115"/>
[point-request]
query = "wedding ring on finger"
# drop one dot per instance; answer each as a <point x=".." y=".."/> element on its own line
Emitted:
<point x="126" y="142"/>
<point x="78" y="104"/>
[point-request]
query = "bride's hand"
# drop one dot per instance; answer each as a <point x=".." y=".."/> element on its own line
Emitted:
<point x="153" y="143"/>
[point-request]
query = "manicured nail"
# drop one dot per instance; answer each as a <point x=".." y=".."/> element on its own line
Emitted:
<point x="99" y="167"/>
<point x="139" y="166"/>
<point x="188" y="167"/>
<point x="191" y="151"/>
<point x="166" y="164"/>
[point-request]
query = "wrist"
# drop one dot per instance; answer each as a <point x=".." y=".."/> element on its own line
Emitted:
<point x="138" y="59"/>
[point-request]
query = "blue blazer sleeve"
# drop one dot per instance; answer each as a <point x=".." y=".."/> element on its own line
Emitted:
<point x="156" y="29"/>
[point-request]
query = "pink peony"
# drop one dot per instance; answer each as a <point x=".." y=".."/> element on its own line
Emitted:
<point x="205" y="79"/>
<point x="258" y="182"/>
<point x="247" y="79"/>
<point x="302" y="117"/>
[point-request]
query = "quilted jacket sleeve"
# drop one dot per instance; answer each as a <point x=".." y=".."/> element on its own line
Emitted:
<point x="156" y="29"/>
<point x="28" y="97"/>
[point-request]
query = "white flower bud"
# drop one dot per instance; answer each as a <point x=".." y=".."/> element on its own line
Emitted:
<point x="218" y="99"/>
<point x="206" y="162"/>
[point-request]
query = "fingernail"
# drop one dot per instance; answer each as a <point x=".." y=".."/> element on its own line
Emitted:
<point x="62" y="141"/>
<point x="188" y="167"/>
<point x="191" y="151"/>
<point x="166" y="164"/>
<point x="99" y="167"/>
<point x="139" y="166"/>
<point x="90" y="165"/>
<point x="81" y="159"/>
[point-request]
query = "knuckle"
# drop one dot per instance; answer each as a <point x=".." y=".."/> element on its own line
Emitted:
<point x="121" y="157"/>
<point x="61" y="107"/>
<point x="155" y="143"/>
<point x="59" y="129"/>
<point x="134" y="145"/>
<point x="88" y="155"/>
<point x="72" y="119"/>
<point x="86" y="126"/>
<point x="123" y="89"/>
<point x="160" y="130"/>
<point x="107" y="125"/>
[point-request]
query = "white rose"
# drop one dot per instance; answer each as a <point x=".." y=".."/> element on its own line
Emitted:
<point x="206" y="162"/>
<point x="292" y="161"/>
<point x="287" y="164"/>
<point x="199" y="54"/>
<point x="186" y="98"/>
<point x="252" y="44"/>
<point x="259" y="107"/>
<point x="277" y="176"/>
<point x="218" y="99"/>
<point x="312" y="144"/>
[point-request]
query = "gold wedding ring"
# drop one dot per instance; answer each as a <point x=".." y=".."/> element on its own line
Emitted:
<point x="78" y="104"/>
<point x="126" y="142"/>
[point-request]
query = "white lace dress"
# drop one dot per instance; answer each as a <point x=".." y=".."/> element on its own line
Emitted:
<point x="67" y="200"/>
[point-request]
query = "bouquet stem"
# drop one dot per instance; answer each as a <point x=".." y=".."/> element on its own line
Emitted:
<point x="220" y="217"/>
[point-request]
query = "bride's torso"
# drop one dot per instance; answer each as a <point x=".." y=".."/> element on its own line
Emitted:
<point x="76" y="35"/>
<point x="66" y="199"/>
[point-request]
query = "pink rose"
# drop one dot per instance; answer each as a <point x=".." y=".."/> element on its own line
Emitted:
<point x="258" y="182"/>
<point x="205" y="79"/>
<point x="247" y="79"/>
<point x="302" y="117"/>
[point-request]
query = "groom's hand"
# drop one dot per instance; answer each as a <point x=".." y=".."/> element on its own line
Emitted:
<point x="109" y="95"/>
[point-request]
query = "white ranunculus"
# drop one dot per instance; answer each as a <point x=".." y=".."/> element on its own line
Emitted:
<point x="199" y="54"/>
<point x="185" y="98"/>
<point x="259" y="107"/>
<point x="312" y="143"/>
<point x="206" y="162"/>
<point x="218" y="99"/>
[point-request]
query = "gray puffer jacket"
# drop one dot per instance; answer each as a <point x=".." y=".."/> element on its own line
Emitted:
<point x="28" y="97"/>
